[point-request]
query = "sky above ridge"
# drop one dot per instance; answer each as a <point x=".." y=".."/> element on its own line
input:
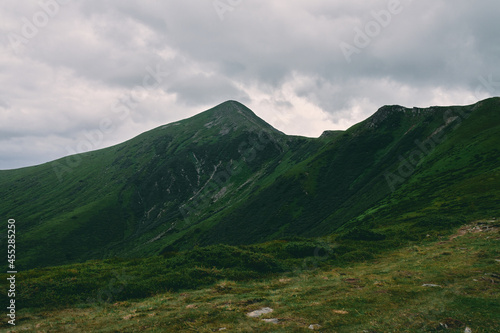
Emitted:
<point x="82" y="75"/>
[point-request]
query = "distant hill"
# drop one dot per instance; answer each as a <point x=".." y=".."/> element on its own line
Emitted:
<point x="226" y="176"/>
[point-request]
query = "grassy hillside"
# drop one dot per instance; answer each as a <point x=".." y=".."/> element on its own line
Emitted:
<point x="459" y="179"/>
<point x="225" y="176"/>
<point x="103" y="203"/>
<point x="445" y="283"/>
<point x="366" y="169"/>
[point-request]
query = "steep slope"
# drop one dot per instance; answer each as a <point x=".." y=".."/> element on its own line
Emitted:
<point x="102" y="203"/>
<point x="397" y="149"/>
<point x="226" y="176"/>
<point x="458" y="179"/>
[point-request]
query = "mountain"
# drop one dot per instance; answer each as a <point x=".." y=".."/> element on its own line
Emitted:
<point x="226" y="176"/>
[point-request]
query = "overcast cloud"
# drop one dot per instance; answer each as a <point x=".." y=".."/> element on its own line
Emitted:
<point x="71" y="68"/>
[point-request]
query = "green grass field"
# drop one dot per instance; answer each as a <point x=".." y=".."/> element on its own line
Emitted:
<point x="383" y="294"/>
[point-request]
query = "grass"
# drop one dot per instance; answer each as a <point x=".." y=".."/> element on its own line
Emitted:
<point x="384" y="294"/>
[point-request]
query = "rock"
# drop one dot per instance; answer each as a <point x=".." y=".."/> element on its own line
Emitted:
<point x="222" y="329"/>
<point x="258" y="313"/>
<point x="442" y="326"/>
<point x="431" y="285"/>
<point x="272" y="320"/>
<point x="468" y="330"/>
<point x="314" y="327"/>
<point x="343" y="312"/>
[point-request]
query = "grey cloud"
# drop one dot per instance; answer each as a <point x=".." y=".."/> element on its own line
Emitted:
<point x="203" y="89"/>
<point x="282" y="55"/>
<point x="4" y="104"/>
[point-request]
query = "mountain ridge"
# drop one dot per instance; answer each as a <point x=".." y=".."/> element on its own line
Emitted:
<point x="226" y="176"/>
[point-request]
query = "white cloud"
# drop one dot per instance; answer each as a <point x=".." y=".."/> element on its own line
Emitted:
<point x="281" y="59"/>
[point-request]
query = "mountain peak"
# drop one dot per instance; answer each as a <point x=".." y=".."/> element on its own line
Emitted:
<point x="383" y="113"/>
<point x="387" y="111"/>
<point x="231" y="107"/>
<point x="234" y="114"/>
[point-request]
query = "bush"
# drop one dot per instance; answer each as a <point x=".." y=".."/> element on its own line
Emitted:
<point x="357" y="255"/>
<point x="424" y="224"/>
<point x="225" y="256"/>
<point x="361" y="234"/>
<point x="300" y="249"/>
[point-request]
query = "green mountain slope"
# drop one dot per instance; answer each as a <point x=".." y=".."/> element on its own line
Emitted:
<point x="457" y="180"/>
<point x="356" y="171"/>
<point x="226" y="176"/>
<point x="110" y="201"/>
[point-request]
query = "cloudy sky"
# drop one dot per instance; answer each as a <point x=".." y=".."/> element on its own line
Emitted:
<point x="85" y="74"/>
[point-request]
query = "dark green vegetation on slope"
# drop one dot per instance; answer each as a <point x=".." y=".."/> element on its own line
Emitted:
<point x="223" y="195"/>
<point x="225" y="176"/>
<point x="124" y="279"/>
